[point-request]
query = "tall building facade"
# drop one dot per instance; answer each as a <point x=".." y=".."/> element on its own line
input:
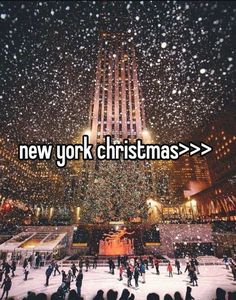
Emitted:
<point x="117" y="108"/>
<point x="177" y="180"/>
<point x="219" y="200"/>
<point x="222" y="137"/>
<point x="116" y="190"/>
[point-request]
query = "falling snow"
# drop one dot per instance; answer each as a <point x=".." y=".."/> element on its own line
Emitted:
<point x="49" y="51"/>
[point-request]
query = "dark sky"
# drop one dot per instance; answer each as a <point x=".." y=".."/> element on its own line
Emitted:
<point x="185" y="53"/>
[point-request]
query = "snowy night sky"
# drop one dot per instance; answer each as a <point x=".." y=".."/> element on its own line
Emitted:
<point x="48" y="52"/>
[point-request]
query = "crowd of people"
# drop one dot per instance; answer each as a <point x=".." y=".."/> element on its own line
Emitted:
<point x="137" y="267"/>
<point x="126" y="295"/>
<point x="133" y="268"/>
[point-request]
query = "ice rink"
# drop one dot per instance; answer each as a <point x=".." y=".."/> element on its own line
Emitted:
<point x="210" y="278"/>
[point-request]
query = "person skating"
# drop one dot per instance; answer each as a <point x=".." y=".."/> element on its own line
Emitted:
<point x="56" y="269"/>
<point x="109" y="264"/>
<point x="170" y="269"/>
<point x="74" y="270"/>
<point x="151" y="261"/>
<point x="136" y="275"/>
<point x="69" y="278"/>
<point x="226" y="261"/>
<point x="177" y="265"/>
<point x="118" y="261"/>
<point x="6" y="268"/>
<point x="79" y="280"/>
<point x="157" y="266"/>
<point x="26" y="271"/>
<point x="121" y="270"/>
<point x="95" y="259"/>
<point x="13" y="267"/>
<point x="191" y="272"/>
<point x="142" y="271"/>
<point x="81" y="263"/>
<point x="6" y="285"/>
<point x="53" y="263"/>
<point x="30" y="260"/>
<point x="186" y="259"/>
<point x="37" y="261"/>
<point x="196" y="264"/>
<point x="63" y="276"/>
<point x="146" y="262"/>
<point x="187" y="268"/>
<point x="87" y="264"/>
<point x="112" y="267"/>
<point x="194" y="278"/>
<point x="48" y="273"/>
<point x="129" y="276"/>
<point x="25" y="263"/>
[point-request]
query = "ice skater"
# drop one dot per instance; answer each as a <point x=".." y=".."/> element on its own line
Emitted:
<point x="121" y="271"/>
<point x="177" y="265"/>
<point x="81" y="263"/>
<point x="6" y="286"/>
<point x="226" y="261"/>
<point x="79" y="280"/>
<point x="48" y="273"/>
<point x="56" y="269"/>
<point x="142" y="271"/>
<point x="157" y="266"/>
<point x="112" y="267"/>
<point x="86" y="264"/>
<point x="13" y="267"/>
<point x="129" y="276"/>
<point x="26" y="271"/>
<point x="136" y="275"/>
<point x="196" y="264"/>
<point x="95" y="259"/>
<point x="170" y="269"/>
<point x="194" y="278"/>
<point x="6" y="267"/>
<point x="74" y="270"/>
<point x="69" y="279"/>
<point x="63" y="276"/>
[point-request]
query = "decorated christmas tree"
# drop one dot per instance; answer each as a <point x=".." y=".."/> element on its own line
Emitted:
<point x="117" y="190"/>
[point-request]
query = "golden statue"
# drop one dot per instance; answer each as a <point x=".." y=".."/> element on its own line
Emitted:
<point x="117" y="236"/>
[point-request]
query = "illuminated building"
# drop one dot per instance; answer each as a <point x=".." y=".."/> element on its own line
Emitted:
<point x="190" y="174"/>
<point x="219" y="200"/>
<point x="117" y="106"/>
<point x="222" y="137"/>
<point x="30" y="182"/>
<point x="175" y="180"/>
<point x="117" y="109"/>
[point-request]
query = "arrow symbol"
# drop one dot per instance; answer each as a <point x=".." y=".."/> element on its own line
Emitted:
<point x="186" y="149"/>
<point x="196" y="149"/>
<point x="207" y="148"/>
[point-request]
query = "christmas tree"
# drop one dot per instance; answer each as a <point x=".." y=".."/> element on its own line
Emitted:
<point x="117" y="190"/>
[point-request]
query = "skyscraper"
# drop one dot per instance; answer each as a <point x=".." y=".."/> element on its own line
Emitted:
<point x="116" y="190"/>
<point x="117" y="107"/>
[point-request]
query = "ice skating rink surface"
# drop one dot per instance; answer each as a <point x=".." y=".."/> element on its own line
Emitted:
<point x="210" y="278"/>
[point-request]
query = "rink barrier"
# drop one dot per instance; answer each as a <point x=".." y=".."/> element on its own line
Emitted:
<point x="104" y="262"/>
